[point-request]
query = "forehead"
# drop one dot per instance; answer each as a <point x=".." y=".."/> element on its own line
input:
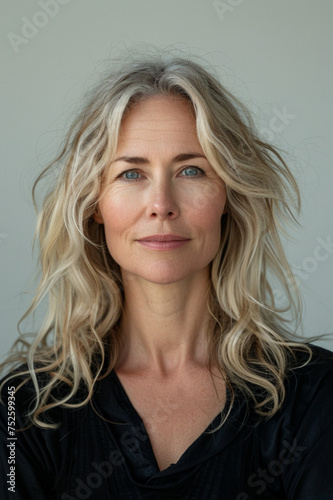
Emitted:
<point x="159" y="118"/>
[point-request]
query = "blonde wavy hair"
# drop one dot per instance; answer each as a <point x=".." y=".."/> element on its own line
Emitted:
<point x="79" y="337"/>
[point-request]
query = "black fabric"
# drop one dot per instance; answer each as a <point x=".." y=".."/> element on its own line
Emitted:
<point x="102" y="451"/>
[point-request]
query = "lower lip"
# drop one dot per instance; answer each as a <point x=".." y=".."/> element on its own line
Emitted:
<point x="163" y="245"/>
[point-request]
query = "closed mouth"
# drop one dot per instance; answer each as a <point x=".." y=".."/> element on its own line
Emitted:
<point x="164" y="238"/>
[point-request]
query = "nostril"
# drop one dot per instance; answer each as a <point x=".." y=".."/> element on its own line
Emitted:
<point x="167" y="214"/>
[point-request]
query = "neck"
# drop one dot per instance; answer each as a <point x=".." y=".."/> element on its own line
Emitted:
<point x="164" y="327"/>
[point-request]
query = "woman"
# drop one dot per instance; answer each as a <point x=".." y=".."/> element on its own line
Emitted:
<point x="164" y="368"/>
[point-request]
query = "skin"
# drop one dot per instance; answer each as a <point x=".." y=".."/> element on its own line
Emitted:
<point x="165" y="318"/>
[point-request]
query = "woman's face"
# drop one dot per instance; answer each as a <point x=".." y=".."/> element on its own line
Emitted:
<point x="162" y="202"/>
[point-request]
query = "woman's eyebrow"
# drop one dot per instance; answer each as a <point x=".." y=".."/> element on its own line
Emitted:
<point x="187" y="156"/>
<point x="139" y="160"/>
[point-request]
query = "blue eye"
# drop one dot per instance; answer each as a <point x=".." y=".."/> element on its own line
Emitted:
<point x="193" y="172"/>
<point x="131" y="175"/>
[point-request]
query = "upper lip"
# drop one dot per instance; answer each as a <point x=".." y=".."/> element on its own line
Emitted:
<point x="164" y="237"/>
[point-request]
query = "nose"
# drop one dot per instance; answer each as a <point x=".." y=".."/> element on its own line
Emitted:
<point x="162" y="201"/>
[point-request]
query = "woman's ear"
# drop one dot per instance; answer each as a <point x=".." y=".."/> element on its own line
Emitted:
<point x="98" y="216"/>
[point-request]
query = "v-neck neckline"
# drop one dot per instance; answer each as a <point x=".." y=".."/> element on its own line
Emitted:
<point x="117" y="407"/>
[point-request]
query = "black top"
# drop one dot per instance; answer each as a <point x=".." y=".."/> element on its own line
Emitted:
<point x="102" y="451"/>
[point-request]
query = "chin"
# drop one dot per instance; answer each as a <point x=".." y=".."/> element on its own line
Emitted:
<point x="165" y="276"/>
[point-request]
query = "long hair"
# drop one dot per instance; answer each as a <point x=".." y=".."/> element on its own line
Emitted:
<point x="249" y="337"/>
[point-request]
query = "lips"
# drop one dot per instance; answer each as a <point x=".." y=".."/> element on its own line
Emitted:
<point x="164" y="237"/>
<point x="163" y="241"/>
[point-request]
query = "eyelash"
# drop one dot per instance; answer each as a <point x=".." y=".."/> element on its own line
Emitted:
<point x="201" y="173"/>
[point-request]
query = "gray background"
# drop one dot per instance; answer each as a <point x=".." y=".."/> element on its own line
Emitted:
<point x="274" y="55"/>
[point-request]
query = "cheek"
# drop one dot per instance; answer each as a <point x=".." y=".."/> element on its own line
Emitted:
<point x="118" y="211"/>
<point x="207" y="216"/>
<point x="209" y="204"/>
<point x="116" y="219"/>
<point x="207" y="198"/>
<point x="211" y="224"/>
